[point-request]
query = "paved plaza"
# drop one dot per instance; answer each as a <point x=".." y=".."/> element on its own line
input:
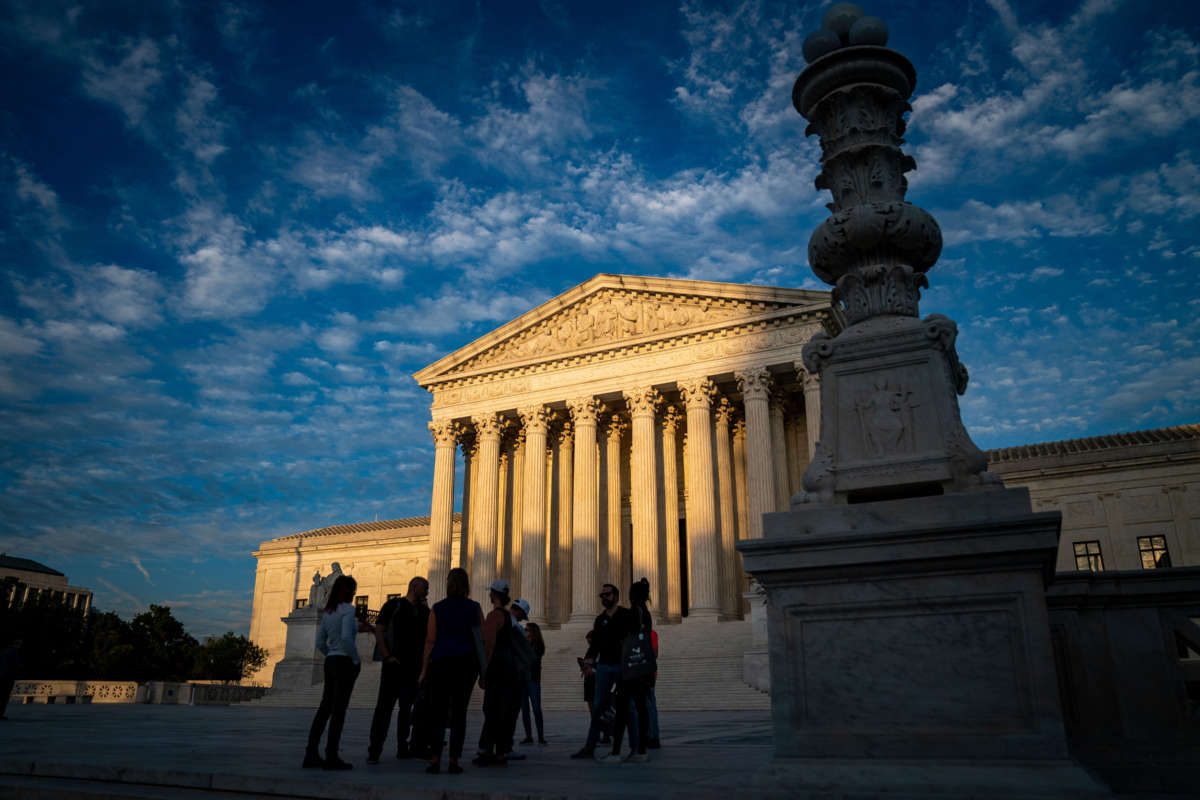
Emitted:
<point x="163" y="751"/>
<point x="88" y="752"/>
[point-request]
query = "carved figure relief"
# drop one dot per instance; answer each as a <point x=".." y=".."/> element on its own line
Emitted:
<point x="885" y="419"/>
<point x="607" y="315"/>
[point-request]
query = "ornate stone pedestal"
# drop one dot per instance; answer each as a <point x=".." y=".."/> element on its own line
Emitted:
<point x="301" y="665"/>
<point x="914" y="632"/>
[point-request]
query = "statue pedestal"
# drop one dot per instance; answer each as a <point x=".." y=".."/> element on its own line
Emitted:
<point x="911" y="628"/>
<point x="301" y="665"/>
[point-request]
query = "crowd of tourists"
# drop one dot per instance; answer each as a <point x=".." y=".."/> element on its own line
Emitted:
<point x="432" y="660"/>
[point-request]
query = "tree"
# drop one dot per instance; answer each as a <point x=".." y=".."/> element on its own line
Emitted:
<point x="112" y="652"/>
<point x="167" y="651"/>
<point x="228" y="658"/>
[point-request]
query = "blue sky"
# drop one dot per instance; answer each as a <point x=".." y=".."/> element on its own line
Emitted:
<point x="231" y="232"/>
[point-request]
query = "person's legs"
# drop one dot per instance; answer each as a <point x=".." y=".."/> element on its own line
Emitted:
<point x="323" y="712"/>
<point x="463" y="675"/>
<point x="406" y="695"/>
<point x="525" y="712"/>
<point x="440" y="682"/>
<point x="622" y="721"/>
<point x="606" y="676"/>
<point x="6" y="688"/>
<point x="641" y="695"/>
<point x="347" y="673"/>
<point x="652" y="707"/>
<point x="535" y="699"/>
<point x="389" y="690"/>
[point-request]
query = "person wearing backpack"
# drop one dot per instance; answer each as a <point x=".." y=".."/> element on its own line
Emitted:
<point x="501" y="681"/>
<point x="637" y="674"/>
<point x="400" y="645"/>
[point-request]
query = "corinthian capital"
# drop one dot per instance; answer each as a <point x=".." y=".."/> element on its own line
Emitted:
<point x="585" y="410"/>
<point x="616" y="426"/>
<point x="755" y="384"/>
<point x="489" y="426"/>
<point x="445" y="432"/>
<point x="724" y="411"/>
<point x="671" y="419"/>
<point x="535" y="418"/>
<point x="643" y="401"/>
<point x="697" y="392"/>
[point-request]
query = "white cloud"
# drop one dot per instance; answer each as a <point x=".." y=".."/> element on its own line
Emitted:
<point x="128" y="83"/>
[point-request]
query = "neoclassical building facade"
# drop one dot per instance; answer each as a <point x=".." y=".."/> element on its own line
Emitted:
<point x="639" y="427"/>
<point x="629" y="427"/>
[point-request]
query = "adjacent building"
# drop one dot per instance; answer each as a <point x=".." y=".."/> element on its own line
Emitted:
<point x="24" y="579"/>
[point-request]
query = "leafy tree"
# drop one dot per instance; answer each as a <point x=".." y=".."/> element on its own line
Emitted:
<point x="228" y="658"/>
<point x="166" y="651"/>
<point x="112" y="653"/>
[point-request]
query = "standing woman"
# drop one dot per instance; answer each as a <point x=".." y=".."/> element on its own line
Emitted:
<point x="453" y="658"/>
<point x="336" y="639"/>
<point x="636" y="691"/>
<point x="533" y="687"/>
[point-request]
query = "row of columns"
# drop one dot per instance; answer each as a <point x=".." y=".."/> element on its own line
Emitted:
<point x="736" y="468"/>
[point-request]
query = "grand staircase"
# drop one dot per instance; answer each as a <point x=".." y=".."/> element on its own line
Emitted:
<point x="699" y="669"/>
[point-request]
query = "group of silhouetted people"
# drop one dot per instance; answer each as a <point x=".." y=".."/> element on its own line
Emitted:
<point x="431" y="660"/>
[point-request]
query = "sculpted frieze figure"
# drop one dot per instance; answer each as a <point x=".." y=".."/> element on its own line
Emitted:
<point x="608" y="316"/>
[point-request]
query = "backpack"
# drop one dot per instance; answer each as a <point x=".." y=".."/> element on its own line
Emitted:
<point x="522" y="654"/>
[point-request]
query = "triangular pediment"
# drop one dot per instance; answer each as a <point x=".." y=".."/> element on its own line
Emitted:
<point x="612" y="311"/>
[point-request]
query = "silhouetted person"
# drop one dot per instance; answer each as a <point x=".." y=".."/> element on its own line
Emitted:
<point x="604" y="656"/>
<point x="400" y="632"/>
<point x="531" y="698"/>
<point x="502" y="687"/>
<point x="336" y="639"/>
<point x="10" y="663"/>
<point x="453" y="657"/>
<point x="634" y="692"/>
<point x="653" y="742"/>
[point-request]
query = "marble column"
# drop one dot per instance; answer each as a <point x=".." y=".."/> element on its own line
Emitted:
<point x="441" y="507"/>
<point x="585" y="518"/>
<point x="470" y="448"/>
<point x="702" y="534"/>
<point x="563" y="534"/>
<point x="516" y="511"/>
<point x="779" y="453"/>
<point x="502" y="507"/>
<point x="739" y="481"/>
<point x="671" y="420"/>
<point x="483" y="558"/>
<point x="760" y="463"/>
<point x="791" y="446"/>
<point x="533" y="515"/>
<point x="812" y="406"/>
<point x="614" y="562"/>
<point x="730" y="591"/>
<point x="643" y="488"/>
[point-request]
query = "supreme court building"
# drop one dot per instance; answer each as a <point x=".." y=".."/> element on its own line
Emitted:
<point x="638" y="427"/>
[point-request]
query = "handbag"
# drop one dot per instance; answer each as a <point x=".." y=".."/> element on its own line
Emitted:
<point x="637" y="657"/>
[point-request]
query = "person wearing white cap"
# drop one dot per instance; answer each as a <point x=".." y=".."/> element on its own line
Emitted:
<point x="532" y="695"/>
<point x="501" y="688"/>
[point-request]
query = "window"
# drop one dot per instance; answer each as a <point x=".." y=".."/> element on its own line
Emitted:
<point x="360" y="606"/>
<point x="1153" y="550"/>
<point x="301" y="602"/>
<point x="394" y="596"/>
<point x="1087" y="557"/>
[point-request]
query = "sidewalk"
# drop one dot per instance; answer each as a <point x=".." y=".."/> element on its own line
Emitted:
<point x="164" y="751"/>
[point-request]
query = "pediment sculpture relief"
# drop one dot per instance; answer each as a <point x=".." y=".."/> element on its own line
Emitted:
<point x="609" y="316"/>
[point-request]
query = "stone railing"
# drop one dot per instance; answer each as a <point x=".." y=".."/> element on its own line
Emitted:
<point x="78" y="692"/>
<point x="154" y="692"/>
